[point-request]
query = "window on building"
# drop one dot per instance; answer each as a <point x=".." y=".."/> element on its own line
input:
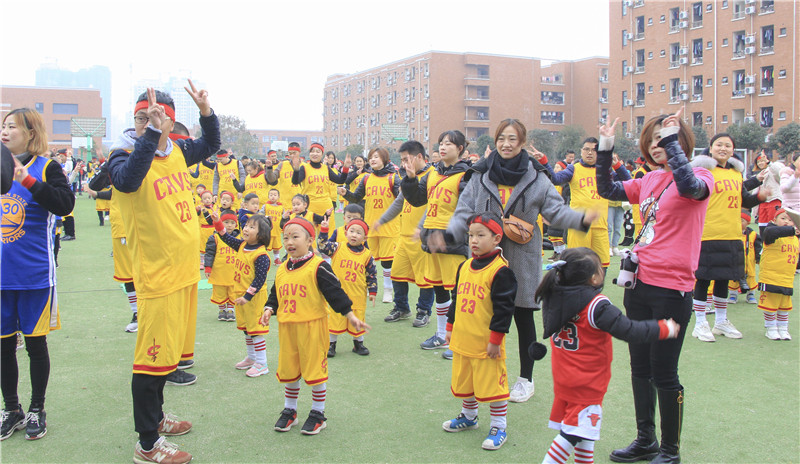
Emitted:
<point x="782" y="116"/>
<point x="40" y="108"/>
<point x="767" y="6"/>
<point x="697" y="14"/>
<point x="725" y="42"/>
<point x="674" y="54"/>
<point x="674" y="19"/>
<point x="625" y="128"/>
<point x="782" y="74"/>
<point x="697" y="51"/>
<point x="724" y="118"/>
<point x="483" y="71"/>
<point x="709" y="82"/>
<point x="639" y="60"/>
<point x="710" y="45"/>
<point x="552" y="98"/>
<point x="640" y="94"/>
<point x="724" y="4"/>
<point x="767" y="39"/>
<point x="649" y="55"/>
<point x="552" y="117"/>
<point x="738" y="44"/>
<point x="650" y="89"/>
<point x="663" y="53"/>
<point x="624" y="98"/>
<point x="663" y="87"/>
<point x="766" y="116"/>
<point x="624" y="37"/>
<point x="783" y="32"/>
<point x="767" y="80"/>
<point x="639" y="124"/>
<point x="624" y="8"/>
<point x="709" y="120"/>
<point x="639" y="28"/>
<point x="61" y="127"/>
<point x="738" y="9"/>
<point x="697" y="118"/>
<point x="663" y="19"/>
<point x="604" y="95"/>
<point x="65" y="108"/>
<point x="724" y="80"/>
<point x="624" y="68"/>
<point x="738" y="83"/>
<point x="674" y="90"/>
<point x="697" y="88"/>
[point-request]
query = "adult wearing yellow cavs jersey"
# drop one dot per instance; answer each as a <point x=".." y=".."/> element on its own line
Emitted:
<point x="583" y="196"/>
<point x="409" y="259"/>
<point x="721" y="252"/>
<point x="203" y="173"/>
<point x="315" y="179"/>
<point x="510" y="181"/>
<point x="440" y="189"/>
<point x="379" y="190"/>
<point x="156" y="205"/>
<point x="28" y="304"/>
<point x="227" y="170"/>
<point x="280" y="174"/>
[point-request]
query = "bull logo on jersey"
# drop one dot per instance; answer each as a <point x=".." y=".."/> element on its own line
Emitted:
<point x="152" y="351"/>
<point x="13" y="217"/>
<point x="594" y="418"/>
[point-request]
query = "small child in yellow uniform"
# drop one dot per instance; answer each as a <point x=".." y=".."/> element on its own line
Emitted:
<point x="351" y="211"/>
<point x="353" y="264"/>
<point x="776" y="275"/>
<point x="477" y="322"/>
<point x="219" y="263"/>
<point x="303" y="283"/>
<point x="249" y="275"/>
<point x="273" y="208"/>
<point x="752" y="254"/>
<point x="300" y="209"/>
<point x="204" y="210"/>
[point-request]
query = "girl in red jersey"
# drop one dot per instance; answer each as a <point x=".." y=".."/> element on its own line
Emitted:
<point x="580" y="321"/>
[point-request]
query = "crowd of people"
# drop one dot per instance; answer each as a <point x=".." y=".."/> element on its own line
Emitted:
<point x="467" y="230"/>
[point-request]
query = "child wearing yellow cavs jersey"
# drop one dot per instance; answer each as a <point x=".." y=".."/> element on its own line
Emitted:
<point x="219" y="261"/>
<point x="300" y="209"/>
<point x="315" y="179"/>
<point x="303" y="284"/>
<point x="752" y="254"/>
<point x="776" y="274"/>
<point x="476" y="327"/>
<point x="353" y="264"/>
<point x="250" y="204"/>
<point x="226" y="200"/>
<point x="249" y="275"/>
<point x="204" y="211"/>
<point x="351" y="212"/>
<point x="255" y="182"/>
<point x="273" y="209"/>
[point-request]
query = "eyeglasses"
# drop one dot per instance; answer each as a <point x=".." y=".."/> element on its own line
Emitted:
<point x="589" y="150"/>
<point x="141" y="119"/>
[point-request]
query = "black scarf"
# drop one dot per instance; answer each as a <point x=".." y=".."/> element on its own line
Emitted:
<point x="507" y="171"/>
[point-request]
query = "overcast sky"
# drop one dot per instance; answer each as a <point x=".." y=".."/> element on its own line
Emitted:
<point x="267" y="61"/>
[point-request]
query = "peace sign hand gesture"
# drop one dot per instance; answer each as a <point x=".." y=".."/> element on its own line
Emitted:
<point x="608" y="131"/>
<point x="154" y="111"/>
<point x="673" y="120"/>
<point x="200" y="98"/>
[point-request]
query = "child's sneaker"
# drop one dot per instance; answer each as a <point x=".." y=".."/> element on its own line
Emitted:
<point x="256" y="370"/>
<point x="388" y="295"/>
<point x="495" y="439"/>
<point x="35" y="425"/>
<point x="11" y="421"/>
<point x="522" y="390"/>
<point x="733" y="297"/>
<point x="422" y="319"/>
<point x="287" y="420"/>
<point x="222" y="316"/>
<point x="784" y="333"/>
<point x="460" y="423"/>
<point x="359" y="348"/>
<point x="314" y="424"/>
<point x="703" y="333"/>
<point x="184" y="364"/>
<point x="447" y="354"/>
<point x="180" y="378"/>
<point x="171" y="426"/>
<point x="245" y="363"/>
<point x="751" y="298"/>
<point x="133" y="325"/>
<point x="726" y="328"/>
<point x="277" y="261"/>
<point x="230" y="316"/>
<point x="332" y="350"/>
<point x="163" y="452"/>
<point x="433" y="343"/>
<point x="773" y="334"/>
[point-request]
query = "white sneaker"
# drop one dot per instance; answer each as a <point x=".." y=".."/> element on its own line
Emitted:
<point x="726" y="328"/>
<point x="703" y="333"/>
<point x="615" y="251"/>
<point x="521" y="391"/>
<point x="388" y="295"/>
<point x="710" y="307"/>
<point x="772" y="333"/>
<point x="784" y="333"/>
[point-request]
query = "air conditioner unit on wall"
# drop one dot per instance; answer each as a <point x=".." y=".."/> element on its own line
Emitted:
<point x="750" y="10"/>
<point x="749" y="119"/>
<point x="629" y="102"/>
<point x="628" y="135"/>
<point x="684" y="96"/>
<point x="683" y="60"/>
<point x="683" y="24"/>
<point x="749" y="79"/>
<point x="684" y="87"/>
<point x="628" y="69"/>
<point x="749" y="2"/>
<point x="749" y="39"/>
<point x="749" y="90"/>
<point x="684" y="51"/>
<point x="629" y="35"/>
<point x="683" y="15"/>
<point x="749" y="50"/>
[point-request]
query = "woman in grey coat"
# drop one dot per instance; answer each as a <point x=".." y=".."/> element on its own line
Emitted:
<point x="509" y="181"/>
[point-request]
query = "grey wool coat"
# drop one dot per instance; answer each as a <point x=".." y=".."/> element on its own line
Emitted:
<point x="481" y="195"/>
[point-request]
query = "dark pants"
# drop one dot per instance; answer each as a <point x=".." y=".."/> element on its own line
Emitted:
<point x="39" y="370"/>
<point x="701" y="289"/>
<point x="69" y="226"/>
<point x="526" y="333"/>
<point x="658" y="360"/>
<point x="148" y="399"/>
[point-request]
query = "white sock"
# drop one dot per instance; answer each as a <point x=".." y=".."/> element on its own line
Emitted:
<point x="441" y="319"/>
<point x="783" y="319"/>
<point x="230" y="306"/>
<point x="560" y="450"/>
<point x="699" y="308"/>
<point x="318" y="393"/>
<point x="387" y="279"/>
<point x="260" y="347"/>
<point x="469" y="408"/>
<point x="251" y="350"/>
<point x="769" y="319"/>
<point x="222" y="307"/>
<point x="721" y="307"/>
<point x="584" y="452"/>
<point x="498" y="410"/>
<point x="333" y="337"/>
<point x="290" y="393"/>
<point x="132" y="300"/>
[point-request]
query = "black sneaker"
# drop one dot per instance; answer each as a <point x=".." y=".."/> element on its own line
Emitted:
<point x="180" y="377"/>
<point x="332" y="350"/>
<point x="287" y="420"/>
<point x="11" y="421"/>
<point x="422" y="319"/>
<point x="186" y="364"/>
<point x="67" y="238"/>
<point x="133" y="326"/>
<point x="359" y="348"/>
<point x="396" y="315"/>
<point x="36" y="426"/>
<point x="314" y="424"/>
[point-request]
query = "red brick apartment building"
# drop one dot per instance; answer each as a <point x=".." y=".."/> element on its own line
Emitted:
<point x="424" y="95"/>
<point x="726" y="61"/>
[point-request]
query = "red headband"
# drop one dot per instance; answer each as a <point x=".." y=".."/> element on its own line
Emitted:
<point x="271" y="152"/>
<point x="224" y="154"/>
<point x="176" y="137"/>
<point x="225" y="192"/>
<point x="294" y="148"/>
<point x="317" y="145"/>
<point x="144" y="104"/>
<point x="304" y="223"/>
<point x="358" y="222"/>
<point x="746" y="216"/>
<point x="779" y="210"/>
<point x="494" y="226"/>
<point x="229" y="217"/>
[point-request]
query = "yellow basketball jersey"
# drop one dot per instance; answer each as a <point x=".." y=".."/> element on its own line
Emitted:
<point x="299" y="298"/>
<point x="102" y="205"/>
<point x="274" y="212"/>
<point x="224" y="261"/>
<point x="244" y="271"/>
<point x="206" y="177"/>
<point x="115" y="216"/>
<point x="584" y="196"/>
<point x="351" y="269"/>
<point x="778" y="262"/>
<point x="723" y="213"/>
<point x="378" y="197"/>
<point x="442" y="199"/>
<point x="225" y="181"/>
<point x="474" y="309"/>
<point x="341" y="237"/>
<point x="257" y="185"/>
<point x="158" y="218"/>
<point x="316" y="184"/>
<point x="285" y="186"/>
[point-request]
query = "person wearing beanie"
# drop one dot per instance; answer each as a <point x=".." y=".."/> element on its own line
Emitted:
<point x="144" y="165"/>
<point x="752" y="254"/>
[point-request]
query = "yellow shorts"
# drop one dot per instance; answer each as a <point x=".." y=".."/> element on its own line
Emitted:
<point x="751" y="282"/>
<point x="596" y="240"/>
<point x="163" y="338"/>
<point x="338" y="324"/>
<point x="581" y="420"/>
<point x="320" y="207"/>
<point x="440" y="269"/>
<point x="303" y="351"/>
<point x="247" y="315"/>
<point x="276" y="239"/>
<point x="409" y="262"/>
<point x="221" y="294"/>
<point x="205" y="232"/>
<point x="772" y="302"/>
<point x="382" y="248"/>
<point x="484" y="378"/>
<point x="122" y="260"/>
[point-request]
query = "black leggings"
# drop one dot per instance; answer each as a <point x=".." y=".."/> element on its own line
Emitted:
<point x="658" y="360"/>
<point x="39" y="370"/>
<point x="526" y="333"/>
<point x="386" y="264"/>
<point x="701" y="289"/>
<point x="148" y="400"/>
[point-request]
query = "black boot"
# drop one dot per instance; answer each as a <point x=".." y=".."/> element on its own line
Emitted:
<point x="359" y="348"/>
<point x="332" y="350"/>
<point x="645" y="446"/>
<point x="670" y="406"/>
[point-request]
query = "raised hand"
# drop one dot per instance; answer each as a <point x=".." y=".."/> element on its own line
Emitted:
<point x="341" y="190"/>
<point x="347" y="160"/>
<point x="608" y="131"/>
<point x="487" y="151"/>
<point x="215" y="216"/>
<point x="536" y="153"/>
<point x="673" y="120"/>
<point x="154" y="111"/>
<point x="200" y="98"/>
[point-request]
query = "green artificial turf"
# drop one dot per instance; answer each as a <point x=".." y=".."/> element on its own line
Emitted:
<point x="741" y="395"/>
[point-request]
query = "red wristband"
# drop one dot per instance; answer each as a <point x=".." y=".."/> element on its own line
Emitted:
<point x="28" y="181"/>
<point x="219" y="227"/>
<point x="208" y="270"/>
<point x="543" y="160"/>
<point x="617" y="166"/>
<point x="663" y="330"/>
<point x="496" y="338"/>
<point x="449" y="327"/>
